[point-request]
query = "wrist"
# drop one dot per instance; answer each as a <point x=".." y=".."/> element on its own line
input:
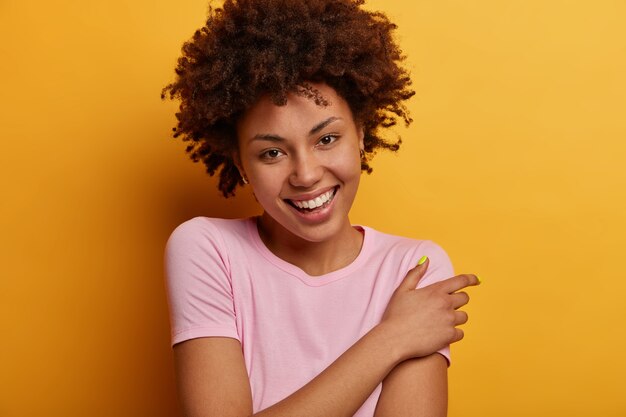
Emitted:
<point x="389" y="342"/>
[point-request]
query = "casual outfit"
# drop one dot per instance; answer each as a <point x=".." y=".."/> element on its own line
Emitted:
<point x="223" y="281"/>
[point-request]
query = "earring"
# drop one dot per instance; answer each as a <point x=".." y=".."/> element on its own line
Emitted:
<point x="243" y="177"/>
<point x="362" y="153"/>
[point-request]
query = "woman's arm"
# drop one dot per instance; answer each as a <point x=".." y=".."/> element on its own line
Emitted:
<point x="415" y="388"/>
<point x="211" y="378"/>
<point x="213" y="381"/>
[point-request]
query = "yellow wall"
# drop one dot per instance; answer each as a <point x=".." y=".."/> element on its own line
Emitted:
<point x="515" y="165"/>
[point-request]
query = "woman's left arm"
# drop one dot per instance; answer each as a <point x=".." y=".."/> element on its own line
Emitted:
<point x="417" y="387"/>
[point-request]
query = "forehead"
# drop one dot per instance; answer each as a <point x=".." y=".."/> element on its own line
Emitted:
<point x="299" y="114"/>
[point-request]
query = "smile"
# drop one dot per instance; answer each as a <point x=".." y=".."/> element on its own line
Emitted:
<point x="321" y="200"/>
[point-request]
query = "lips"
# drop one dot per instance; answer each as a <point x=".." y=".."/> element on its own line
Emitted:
<point x="315" y="203"/>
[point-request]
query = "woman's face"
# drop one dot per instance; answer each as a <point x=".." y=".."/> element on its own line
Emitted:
<point x="303" y="163"/>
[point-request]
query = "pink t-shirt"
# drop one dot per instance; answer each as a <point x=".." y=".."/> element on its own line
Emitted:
<point x="223" y="281"/>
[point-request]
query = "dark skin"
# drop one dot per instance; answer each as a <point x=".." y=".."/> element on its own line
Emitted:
<point x="282" y="158"/>
<point x="251" y="49"/>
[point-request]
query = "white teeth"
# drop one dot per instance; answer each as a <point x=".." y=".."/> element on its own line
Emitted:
<point x="316" y="202"/>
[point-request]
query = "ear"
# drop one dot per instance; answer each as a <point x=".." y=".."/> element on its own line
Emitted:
<point x="361" y="134"/>
<point x="237" y="161"/>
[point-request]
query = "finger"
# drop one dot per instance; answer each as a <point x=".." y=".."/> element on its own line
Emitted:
<point x="460" y="317"/>
<point x="454" y="284"/>
<point x="459" y="299"/>
<point x="458" y="335"/>
<point x="415" y="274"/>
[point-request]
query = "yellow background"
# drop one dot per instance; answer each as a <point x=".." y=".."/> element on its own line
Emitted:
<point x="515" y="165"/>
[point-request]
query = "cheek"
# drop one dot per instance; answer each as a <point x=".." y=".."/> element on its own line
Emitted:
<point x="266" y="183"/>
<point x="347" y="166"/>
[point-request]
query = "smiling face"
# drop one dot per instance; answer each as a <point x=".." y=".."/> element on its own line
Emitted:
<point x="302" y="161"/>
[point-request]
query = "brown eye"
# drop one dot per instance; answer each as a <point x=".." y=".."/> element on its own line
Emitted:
<point x="327" y="140"/>
<point x="271" y="154"/>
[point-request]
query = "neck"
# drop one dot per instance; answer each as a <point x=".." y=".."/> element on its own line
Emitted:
<point x="314" y="258"/>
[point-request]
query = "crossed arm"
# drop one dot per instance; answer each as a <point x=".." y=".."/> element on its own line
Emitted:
<point x="212" y="381"/>
<point x="399" y="352"/>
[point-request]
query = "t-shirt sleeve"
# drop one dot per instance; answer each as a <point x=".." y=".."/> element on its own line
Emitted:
<point x="198" y="283"/>
<point x="439" y="265"/>
<point x="439" y="269"/>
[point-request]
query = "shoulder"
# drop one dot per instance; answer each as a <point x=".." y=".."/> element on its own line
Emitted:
<point x="406" y="251"/>
<point x="206" y="241"/>
<point x="381" y="241"/>
<point x="206" y="225"/>
<point x="203" y="231"/>
<point x="202" y="251"/>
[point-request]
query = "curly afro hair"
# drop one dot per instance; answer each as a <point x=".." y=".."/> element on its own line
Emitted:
<point x="253" y="47"/>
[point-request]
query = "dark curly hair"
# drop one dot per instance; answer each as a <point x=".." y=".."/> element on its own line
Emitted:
<point x="253" y="47"/>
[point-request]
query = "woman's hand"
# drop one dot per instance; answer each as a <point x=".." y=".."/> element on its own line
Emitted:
<point x="422" y="321"/>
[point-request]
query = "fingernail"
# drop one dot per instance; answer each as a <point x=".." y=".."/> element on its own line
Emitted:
<point x="480" y="281"/>
<point x="422" y="260"/>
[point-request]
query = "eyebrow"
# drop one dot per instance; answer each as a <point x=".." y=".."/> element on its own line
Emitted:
<point x="314" y="130"/>
<point x="322" y="125"/>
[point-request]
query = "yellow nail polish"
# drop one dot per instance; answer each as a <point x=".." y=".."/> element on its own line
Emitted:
<point x="422" y="260"/>
<point x="480" y="281"/>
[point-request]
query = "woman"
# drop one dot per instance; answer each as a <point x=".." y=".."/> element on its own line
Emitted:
<point x="297" y="312"/>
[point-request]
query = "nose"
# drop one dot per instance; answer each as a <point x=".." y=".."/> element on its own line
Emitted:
<point x="306" y="170"/>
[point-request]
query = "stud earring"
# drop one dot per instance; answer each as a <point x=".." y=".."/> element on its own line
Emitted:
<point x="362" y="153"/>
